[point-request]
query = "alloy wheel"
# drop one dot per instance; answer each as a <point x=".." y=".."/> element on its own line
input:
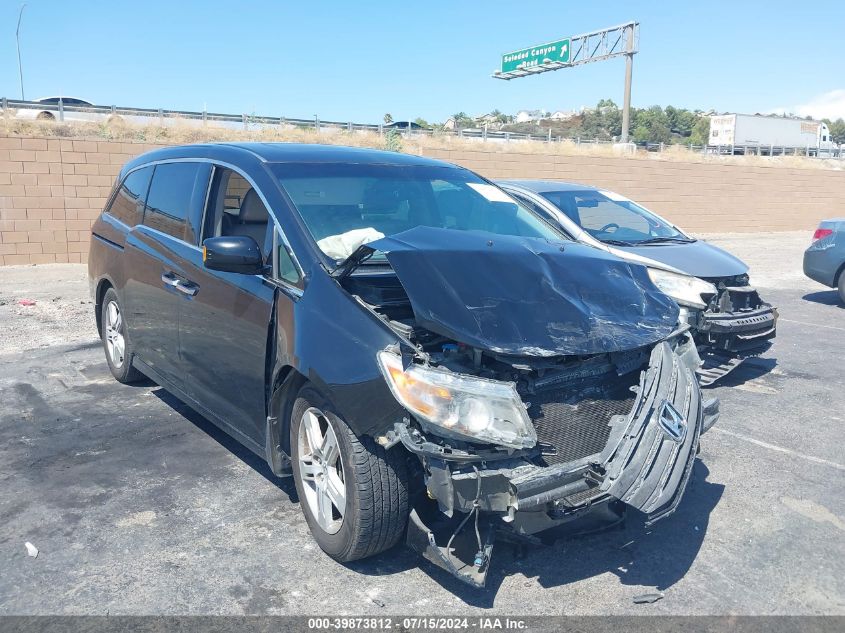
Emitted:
<point x="114" y="334"/>
<point x="321" y="470"/>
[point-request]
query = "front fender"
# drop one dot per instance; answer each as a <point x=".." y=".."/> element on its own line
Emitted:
<point x="330" y="339"/>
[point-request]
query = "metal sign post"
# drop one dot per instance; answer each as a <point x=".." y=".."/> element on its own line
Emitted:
<point x="595" y="46"/>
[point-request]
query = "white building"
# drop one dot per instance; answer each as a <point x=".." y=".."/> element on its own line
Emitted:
<point x="527" y="116"/>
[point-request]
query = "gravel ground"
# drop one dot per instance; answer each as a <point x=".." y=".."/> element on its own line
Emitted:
<point x="62" y="312"/>
<point x="140" y="506"/>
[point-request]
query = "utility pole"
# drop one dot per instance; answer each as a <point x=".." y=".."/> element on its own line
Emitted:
<point x="18" y="39"/>
<point x="629" y="68"/>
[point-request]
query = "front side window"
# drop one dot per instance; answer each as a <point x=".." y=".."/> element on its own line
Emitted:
<point x="174" y="189"/>
<point x="285" y="267"/>
<point x="611" y="218"/>
<point x="345" y="205"/>
<point x="235" y="208"/>
<point x="128" y="204"/>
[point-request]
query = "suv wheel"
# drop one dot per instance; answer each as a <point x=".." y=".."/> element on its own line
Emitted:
<point x="113" y="332"/>
<point x="352" y="491"/>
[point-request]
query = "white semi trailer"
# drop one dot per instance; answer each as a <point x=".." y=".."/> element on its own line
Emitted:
<point x="770" y="134"/>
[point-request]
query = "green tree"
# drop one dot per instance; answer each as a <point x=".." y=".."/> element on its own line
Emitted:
<point x="680" y="120"/>
<point x="610" y="117"/>
<point x="393" y="140"/>
<point x="655" y="123"/>
<point x="837" y="130"/>
<point x="700" y="131"/>
<point x="641" y="134"/>
<point x="388" y="118"/>
<point x="421" y="122"/>
<point x="462" y="119"/>
<point x="501" y="117"/>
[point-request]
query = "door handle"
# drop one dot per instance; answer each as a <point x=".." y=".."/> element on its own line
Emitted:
<point x="182" y="285"/>
<point x="187" y="287"/>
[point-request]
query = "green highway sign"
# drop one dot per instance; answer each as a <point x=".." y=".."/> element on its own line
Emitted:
<point x="537" y="56"/>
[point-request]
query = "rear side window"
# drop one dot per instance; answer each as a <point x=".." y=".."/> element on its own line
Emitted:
<point x="175" y="189"/>
<point x="128" y="204"/>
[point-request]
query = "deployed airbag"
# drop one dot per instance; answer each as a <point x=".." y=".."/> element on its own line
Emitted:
<point x="343" y="245"/>
<point x="526" y="296"/>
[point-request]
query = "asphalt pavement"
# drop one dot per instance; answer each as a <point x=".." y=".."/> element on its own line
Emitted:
<point x="137" y="505"/>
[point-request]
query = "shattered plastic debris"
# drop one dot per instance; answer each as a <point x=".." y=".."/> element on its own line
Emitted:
<point x="31" y="549"/>
<point x="648" y="598"/>
<point x="26" y="302"/>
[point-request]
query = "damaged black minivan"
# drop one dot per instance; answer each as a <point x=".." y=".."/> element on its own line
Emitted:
<point x="426" y="357"/>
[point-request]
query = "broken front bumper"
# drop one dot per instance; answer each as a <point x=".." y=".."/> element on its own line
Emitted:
<point x="645" y="464"/>
<point x="738" y="325"/>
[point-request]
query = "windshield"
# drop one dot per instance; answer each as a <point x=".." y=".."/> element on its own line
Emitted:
<point x="613" y="219"/>
<point x="345" y="205"/>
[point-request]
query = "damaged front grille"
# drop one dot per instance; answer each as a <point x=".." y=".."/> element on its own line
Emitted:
<point x="572" y="425"/>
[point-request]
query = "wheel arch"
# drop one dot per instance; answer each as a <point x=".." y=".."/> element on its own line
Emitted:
<point x="102" y="287"/>
<point x="286" y="384"/>
<point x="838" y="275"/>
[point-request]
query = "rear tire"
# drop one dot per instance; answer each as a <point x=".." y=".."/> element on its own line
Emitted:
<point x="332" y="467"/>
<point x="119" y="352"/>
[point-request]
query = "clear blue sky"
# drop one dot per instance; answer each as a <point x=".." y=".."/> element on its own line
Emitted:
<point x="357" y="60"/>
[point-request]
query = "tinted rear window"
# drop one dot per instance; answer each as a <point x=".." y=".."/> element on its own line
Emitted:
<point x="128" y="204"/>
<point x="171" y="195"/>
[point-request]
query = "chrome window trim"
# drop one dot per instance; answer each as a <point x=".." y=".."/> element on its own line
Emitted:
<point x="169" y="236"/>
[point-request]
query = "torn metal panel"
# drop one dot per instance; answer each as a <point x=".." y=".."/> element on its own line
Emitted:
<point x="526" y="296"/>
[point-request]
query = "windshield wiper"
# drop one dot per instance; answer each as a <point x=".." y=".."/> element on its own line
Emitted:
<point x="351" y="263"/>
<point x="616" y="242"/>
<point x="659" y="240"/>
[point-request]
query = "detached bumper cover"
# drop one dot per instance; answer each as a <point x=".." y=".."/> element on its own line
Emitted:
<point x="646" y="464"/>
<point x="737" y="325"/>
<point x="649" y="465"/>
<point x="740" y="332"/>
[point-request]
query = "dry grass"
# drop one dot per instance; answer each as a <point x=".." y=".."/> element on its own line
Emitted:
<point x="181" y="131"/>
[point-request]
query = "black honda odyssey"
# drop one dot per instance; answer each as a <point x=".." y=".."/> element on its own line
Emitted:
<point x="428" y="359"/>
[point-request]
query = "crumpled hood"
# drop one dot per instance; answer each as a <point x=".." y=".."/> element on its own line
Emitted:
<point x="526" y="296"/>
<point x="698" y="258"/>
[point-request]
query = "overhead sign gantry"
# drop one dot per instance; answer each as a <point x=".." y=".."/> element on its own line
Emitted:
<point x="595" y="46"/>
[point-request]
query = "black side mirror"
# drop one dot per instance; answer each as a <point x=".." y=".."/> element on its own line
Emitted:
<point x="233" y="254"/>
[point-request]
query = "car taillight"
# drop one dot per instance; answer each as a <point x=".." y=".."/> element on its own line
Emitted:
<point x="820" y="233"/>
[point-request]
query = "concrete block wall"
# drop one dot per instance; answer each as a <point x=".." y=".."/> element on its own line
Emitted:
<point x="52" y="189"/>
<point x="700" y="197"/>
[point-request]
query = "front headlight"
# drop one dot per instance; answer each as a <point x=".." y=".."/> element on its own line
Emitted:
<point x="684" y="289"/>
<point x="460" y="406"/>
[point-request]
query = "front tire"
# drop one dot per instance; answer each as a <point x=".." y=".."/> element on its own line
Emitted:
<point x="116" y="344"/>
<point x="841" y="287"/>
<point x="353" y="492"/>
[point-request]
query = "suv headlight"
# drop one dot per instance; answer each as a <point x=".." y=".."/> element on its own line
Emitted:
<point x="460" y="406"/>
<point x="684" y="289"/>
